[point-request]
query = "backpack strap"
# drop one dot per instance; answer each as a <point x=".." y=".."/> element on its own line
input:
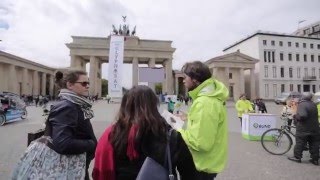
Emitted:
<point x="168" y="155"/>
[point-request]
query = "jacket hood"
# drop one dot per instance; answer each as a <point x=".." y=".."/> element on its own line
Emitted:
<point x="210" y="87"/>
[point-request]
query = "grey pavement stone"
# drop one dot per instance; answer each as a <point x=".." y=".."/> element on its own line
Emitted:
<point x="247" y="159"/>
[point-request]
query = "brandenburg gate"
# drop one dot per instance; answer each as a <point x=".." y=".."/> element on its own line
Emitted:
<point x="95" y="50"/>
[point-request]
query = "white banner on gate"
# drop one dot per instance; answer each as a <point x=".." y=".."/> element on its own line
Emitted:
<point x="115" y="66"/>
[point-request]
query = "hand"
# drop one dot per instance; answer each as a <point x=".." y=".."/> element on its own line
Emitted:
<point x="294" y="108"/>
<point x="183" y="116"/>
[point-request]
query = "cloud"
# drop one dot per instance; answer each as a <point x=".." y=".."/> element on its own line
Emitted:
<point x="38" y="30"/>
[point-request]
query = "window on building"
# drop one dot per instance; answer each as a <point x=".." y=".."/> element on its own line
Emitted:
<point x="275" y="90"/>
<point x="280" y="43"/>
<point x="318" y="58"/>
<point x="299" y="87"/>
<point x="289" y="44"/>
<point x="318" y="46"/>
<point x="282" y="88"/>
<point x="313" y="71"/>
<point x="297" y="57"/>
<point x="266" y="71"/>
<point x="290" y="72"/>
<point x="281" y="56"/>
<point x="272" y="56"/>
<point x="266" y="90"/>
<point x="291" y="87"/>
<point x="319" y="73"/>
<point x="265" y="56"/>
<point x="269" y="56"/>
<point x="230" y="75"/>
<point x="274" y="71"/>
<point x="312" y="58"/>
<point x="311" y="46"/>
<point x="305" y="72"/>
<point x="297" y="44"/>
<point x="298" y="72"/>
<point x="290" y="57"/>
<point x="313" y="88"/>
<point x="304" y="45"/>
<point x="230" y="91"/>
<point x="282" y="71"/>
<point x="264" y="42"/>
<point x="272" y="43"/>
<point x="305" y="58"/>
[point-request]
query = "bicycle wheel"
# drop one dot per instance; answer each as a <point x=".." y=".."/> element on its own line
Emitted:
<point x="276" y="141"/>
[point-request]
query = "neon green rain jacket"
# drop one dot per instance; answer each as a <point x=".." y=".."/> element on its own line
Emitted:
<point x="206" y="134"/>
<point x="243" y="106"/>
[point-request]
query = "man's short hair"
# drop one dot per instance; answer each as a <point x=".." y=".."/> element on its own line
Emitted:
<point x="197" y="70"/>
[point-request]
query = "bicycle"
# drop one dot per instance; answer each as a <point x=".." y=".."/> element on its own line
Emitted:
<point x="277" y="141"/>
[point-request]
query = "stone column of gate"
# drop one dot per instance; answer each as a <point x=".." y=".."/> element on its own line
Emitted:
<point x="13" y="83"/>
<point x="226" y="71"/>
<point x="164" y="84"/>
<point x="252" y="84"/>
<point x="93" y="76"/>
<point x="25" y="79"/>
<point x="76" y="62"/>
<point x="169" y="80"/>
<point x="43" y="84"/>
<point x="214" y="72"/>
<point x="35" y="83"/>
<point x="176" y="85"/>
<point x="51" y="86"/>
<point x="98" y="82"/>
<point x="135" y="71"/>
<point x="152" y="64"/>
<point x="241" y="80"/>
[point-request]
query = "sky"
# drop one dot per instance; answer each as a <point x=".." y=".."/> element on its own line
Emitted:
<point x="39" y="29"/>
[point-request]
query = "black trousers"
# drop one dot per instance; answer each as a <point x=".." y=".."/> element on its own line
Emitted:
<point x="240" y="121"/>
<point x="187" y="168"/>
<point x="301" y="142"/>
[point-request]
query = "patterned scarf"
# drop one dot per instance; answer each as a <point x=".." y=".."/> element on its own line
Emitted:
<point x="76" y="99"/>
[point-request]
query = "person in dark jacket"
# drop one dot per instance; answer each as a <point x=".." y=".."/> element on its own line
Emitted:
<point x="261" y="106"/>
<point x="69" y="118"/>
<point x="306" y="117"/>
<point x="139" y="132"/>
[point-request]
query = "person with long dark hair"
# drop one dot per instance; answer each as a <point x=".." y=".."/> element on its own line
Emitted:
<point x="139" y="132"/>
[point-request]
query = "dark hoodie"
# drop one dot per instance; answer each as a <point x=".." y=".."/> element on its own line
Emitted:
<point x="307" y="117"/>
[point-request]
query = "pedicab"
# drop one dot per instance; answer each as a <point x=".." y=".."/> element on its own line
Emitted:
<point x="12" y="108"/>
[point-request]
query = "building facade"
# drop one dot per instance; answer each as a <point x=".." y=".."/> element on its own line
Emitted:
<point x="24" y="77"/>
<point x="286" y="62"/>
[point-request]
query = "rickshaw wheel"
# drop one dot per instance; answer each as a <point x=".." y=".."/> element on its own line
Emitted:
<point x="25" y="114"/>
<point x="2" y="119"/>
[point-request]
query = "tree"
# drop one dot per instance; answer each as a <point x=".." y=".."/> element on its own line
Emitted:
<point x="104" y="87"/>
<point x="158" y="88"/>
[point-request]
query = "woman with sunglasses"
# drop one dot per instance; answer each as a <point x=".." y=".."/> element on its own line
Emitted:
<point x="69" y="118"/>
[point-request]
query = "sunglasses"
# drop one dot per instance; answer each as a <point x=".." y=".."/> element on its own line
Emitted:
<point x="84" y="83"/>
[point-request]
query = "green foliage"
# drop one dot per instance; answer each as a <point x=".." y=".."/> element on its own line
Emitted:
<point x="104" y="87"/>
<point x="158" y="88"/>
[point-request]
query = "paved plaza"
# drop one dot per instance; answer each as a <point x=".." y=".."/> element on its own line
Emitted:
<point x="247" y="159"/>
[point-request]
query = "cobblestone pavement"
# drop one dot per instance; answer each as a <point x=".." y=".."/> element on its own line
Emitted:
<point x="247" y="159"/>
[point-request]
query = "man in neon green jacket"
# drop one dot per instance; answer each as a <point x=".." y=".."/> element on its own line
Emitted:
<point x="243" y="106"/>
<point x="206" y="134"/>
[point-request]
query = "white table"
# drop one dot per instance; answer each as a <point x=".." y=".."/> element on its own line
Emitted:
<point x="254" y="125"/>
